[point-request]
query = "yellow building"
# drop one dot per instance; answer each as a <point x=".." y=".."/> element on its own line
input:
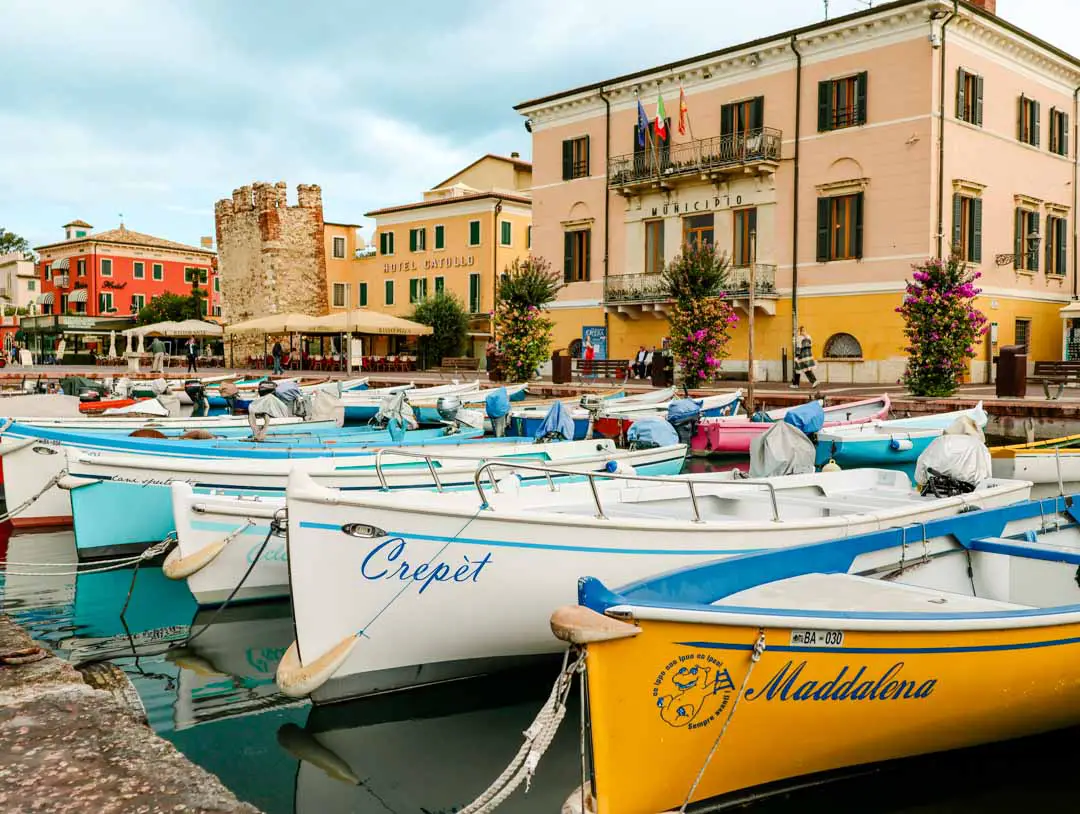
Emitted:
<point x="466" y="228"/>
<point x="341" y="243"/>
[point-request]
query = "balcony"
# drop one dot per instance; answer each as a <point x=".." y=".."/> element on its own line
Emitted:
<point x="634" y="295"/>
<point x="700" y="159"/>
<point x="60" y="280"/>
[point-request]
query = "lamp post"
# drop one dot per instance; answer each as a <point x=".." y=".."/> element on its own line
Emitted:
<point x="1033" y="241"/>
<point x="750" y="324"/>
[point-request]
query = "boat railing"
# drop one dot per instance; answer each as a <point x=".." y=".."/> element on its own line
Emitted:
<point x="433" y="469"/>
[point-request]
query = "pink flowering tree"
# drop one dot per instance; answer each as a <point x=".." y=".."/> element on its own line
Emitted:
<point x="942" y="325"/>
<point x="701" y="319"/>
<point x="522" y="321"/>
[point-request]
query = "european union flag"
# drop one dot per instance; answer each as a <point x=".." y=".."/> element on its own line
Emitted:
<point x="642" y="124"/>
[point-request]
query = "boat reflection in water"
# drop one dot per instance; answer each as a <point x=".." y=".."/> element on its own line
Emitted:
<point x="433" y="749"/>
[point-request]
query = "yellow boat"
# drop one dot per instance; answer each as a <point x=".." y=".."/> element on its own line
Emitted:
<point x="1052" y="466"/>
<point x="760" y="672"/>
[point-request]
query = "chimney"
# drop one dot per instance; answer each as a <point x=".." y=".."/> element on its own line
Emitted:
<point x="515" y="154"/>
<point x="989" y="6"/>
<point x="206" y="242"/>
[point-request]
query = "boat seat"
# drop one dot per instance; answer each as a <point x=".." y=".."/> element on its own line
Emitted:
<point x="849" y="592"/>
<point x="1023" y="548"/>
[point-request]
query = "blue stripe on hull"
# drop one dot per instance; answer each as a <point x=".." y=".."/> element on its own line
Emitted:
<point x="850" y="454"/>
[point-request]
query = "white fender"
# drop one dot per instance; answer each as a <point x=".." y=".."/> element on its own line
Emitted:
<point x="177" y="566"/>
<point x="70" y="482"/>
<point x="296" y="681"/>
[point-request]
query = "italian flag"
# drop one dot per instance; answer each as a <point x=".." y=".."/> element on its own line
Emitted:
<point x="661" y="116"/>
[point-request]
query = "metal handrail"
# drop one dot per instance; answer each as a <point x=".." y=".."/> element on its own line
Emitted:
<point x="427" y="459"/>
<point x="591" y="476"/>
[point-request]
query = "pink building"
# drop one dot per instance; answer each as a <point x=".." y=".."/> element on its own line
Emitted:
<point x="818" y="155"/>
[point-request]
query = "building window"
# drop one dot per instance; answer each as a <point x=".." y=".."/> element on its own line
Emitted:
<point x="138" y="301"/>
<point x="1022" y="334"/>
<point x="575" y="158"/>
<point x="417" y="290"/>
<point x="1025" y="233"/>
<point x="505" y="233"/>
<point x="576" y="255"/>
<point x="105" y="302"/>
<point x="386" y="243"/>
<point x="842" y="102"/>
<point x="157" y="271"/>
<point x="1059" y="131"/>
<point x="1056" y="245"/>
<point x="440" y="285"/>
<point x="474" y="233"/>
<point x="138" y="270"/>
<point x="840" y="227"/>
<point x="744" y="231"/>
<point x="969" y="97"/>
<point x="193" y="275"/>
<point x="339" y="247"/>
<point x="654" y="246"/>
<point x="388" y="295"/>
<point x="440" y="237"/>
<point x="106" y="267"/>
<point x="418" y="240"/>
<point x="80" y="268"/>
<point x="63" y="304"/>
<point x="217" y="310"/>
<point x="339" y="295"/>
<point x="739" y="118"/>
<point x="842" y="346"/>
<point x="698" y="229"/>
<point x="217" y="283"/>
<point x="967" y="228"/>
<point x="31" y="285"/>
<point x="474" y="293"/>
<point x="528" y="237"/>
<point x="362" y="291"/>
<point x="48" y="271"/>
<point x="1027" y="121"/>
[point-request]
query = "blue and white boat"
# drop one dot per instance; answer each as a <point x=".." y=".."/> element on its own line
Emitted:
<point x="121" y="501"/>
<point x="363" y="406"/>
<point x="898" y="441"/>
<point x="425" y="406"/>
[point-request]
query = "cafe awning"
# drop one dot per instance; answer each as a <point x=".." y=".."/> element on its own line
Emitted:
<point x="47" y="298"/>
<point x="362" y="321"/>
<point x="272" y="324"/>
<point x="63" y="264"/>
<point x="78" y="295"/>
<point x="187" y="327"/>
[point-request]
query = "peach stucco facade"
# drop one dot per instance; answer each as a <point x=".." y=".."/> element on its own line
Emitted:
<point x="881" y="157"/>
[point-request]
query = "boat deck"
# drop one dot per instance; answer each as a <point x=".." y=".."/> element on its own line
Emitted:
<point x="849" y="592"/>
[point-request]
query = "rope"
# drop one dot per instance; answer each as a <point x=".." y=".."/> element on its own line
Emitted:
<point x="538" y="738"/>
<point x="115" y="565"/>
<point x="755" y="657"/>
<point x="26" y="503"/>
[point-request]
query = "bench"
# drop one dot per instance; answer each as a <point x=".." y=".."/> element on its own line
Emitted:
<point x="601" y="368"/>
<point x="1059" y="373"/>
<point x="458" y="364"/>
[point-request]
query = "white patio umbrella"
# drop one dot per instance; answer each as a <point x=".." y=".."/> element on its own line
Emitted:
<point x="112" y="344"/>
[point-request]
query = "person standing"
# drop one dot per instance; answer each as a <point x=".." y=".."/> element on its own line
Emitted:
<point x="639" y="363"/>
<point x="157" y="347"/>
<point x="192" y="355"/>
<point x="804" y="358"/>
<point x="277" y="352"/>
<point x="590" y="354"/>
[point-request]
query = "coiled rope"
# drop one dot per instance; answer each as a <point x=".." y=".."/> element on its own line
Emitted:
<point x="538" y="738"/>
<point x="29" y="501"/>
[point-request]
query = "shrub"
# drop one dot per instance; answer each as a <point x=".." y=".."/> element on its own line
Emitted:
<point x="449" y="321"/>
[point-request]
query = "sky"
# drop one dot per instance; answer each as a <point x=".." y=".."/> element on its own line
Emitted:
<point x="154" y="109"/>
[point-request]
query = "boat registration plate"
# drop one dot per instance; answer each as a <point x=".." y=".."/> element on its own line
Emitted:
<point x="817" y="638"/>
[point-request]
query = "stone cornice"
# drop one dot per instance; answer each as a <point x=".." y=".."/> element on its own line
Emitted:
<point x="1024" y="51"/>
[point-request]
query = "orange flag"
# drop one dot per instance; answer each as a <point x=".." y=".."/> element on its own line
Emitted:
<point x="683" y="112"/>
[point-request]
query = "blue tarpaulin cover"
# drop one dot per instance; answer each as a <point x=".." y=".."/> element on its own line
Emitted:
<point x="683" y="410"/>
<point x="808" y="417"/>
<point x="653" y="431"/>
<point x="497" y="404"/>
<point x="558" y="421"/>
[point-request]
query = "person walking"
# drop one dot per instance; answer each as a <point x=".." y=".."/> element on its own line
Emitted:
<point x="277" y="352"/>
<point x="192" y="356"/>
<point x="804" y="359"/>
<point x="157" y="347"/>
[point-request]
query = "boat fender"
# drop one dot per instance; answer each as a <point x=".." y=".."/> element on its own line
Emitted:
<point x="177" y="566"/>
<point x="900" y="444"/>
<point x="578" y="625"/>
<point x="69" y="482"/>
<point x="619" y="468"/>
<point x="296" y="681"/>
<point x="831" y="466"/>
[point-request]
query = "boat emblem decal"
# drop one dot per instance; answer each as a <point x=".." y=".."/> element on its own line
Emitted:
<point x="692" y="690"/>
<point x="45" y="450"/>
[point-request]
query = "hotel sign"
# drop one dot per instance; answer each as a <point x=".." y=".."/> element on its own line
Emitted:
<point x="448" y="262"/>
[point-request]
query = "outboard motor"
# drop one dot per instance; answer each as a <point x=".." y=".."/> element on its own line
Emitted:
<point x="89" y="395"/>
<point x="591" y="403"/>
<point x="266" y="387"/>
<point x="196" y="391"/>
<point x="684" y="416"/>
<point x="497" y="407"/>
<point x="650" y="433"/>
<point x="447" y="407"/>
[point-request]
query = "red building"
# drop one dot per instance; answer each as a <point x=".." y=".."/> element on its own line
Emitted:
<point x="115" y="273"/>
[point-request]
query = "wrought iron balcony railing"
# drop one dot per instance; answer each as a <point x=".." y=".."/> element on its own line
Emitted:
<point x="696" y="157"/>
<point x="60" y="280"/>
<point x="642" y="288"/>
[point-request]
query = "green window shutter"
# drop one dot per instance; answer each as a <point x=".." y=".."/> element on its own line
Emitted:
<point x="587" y="266"/>
<point x="440" y="237"/>
<point x="823" y="229"/>
<point x="506" y="232"/>
<point x="389" y="292"/>
<point x="1064" y="142"/>
<point x="1048" y="244"/>
<point x="824" y="106"/>
<point x="727" y="120"/>
<point x="859" y="215"/>
<point x="412" y="240"/>
<point x="567" y="159"/>
<point x="474" y="233"/>
<point x="439" y="285"/>
<point x="757" y="113"/>
<point x="528" y="237"/>
<point x="587" y="156"/>
<point x="1062" y="245"/>
<point x="1020" y="118"/>
<point x="957" y="226"/>
<point x="423" y="288"/>
<point x="568" y="257"/>
<point x="979" y="101"/>
<point x="382" y="243"/>
<point x="860" y="97"/>
<point x="474" y="293"/>
<point x="976" y="230"/>
<point x="412" y="290"/>
<point x="961" y="88"/>
<point x="1036" y="117"/>
<point x="1035" y="229"/>
<point x="363" y="294"/>
<point x="1018" y="237"/>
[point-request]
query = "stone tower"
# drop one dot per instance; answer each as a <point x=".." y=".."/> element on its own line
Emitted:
<point x="271" y="256"/>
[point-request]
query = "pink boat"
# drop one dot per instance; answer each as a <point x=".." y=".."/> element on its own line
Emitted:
<point x="731" y="435"/>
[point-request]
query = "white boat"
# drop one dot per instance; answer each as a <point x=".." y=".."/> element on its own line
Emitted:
<point x="444" y="586"/>
<point x="1053" y="465"/>
<point x="219" y="536"/>
<point x="362" y="405"/>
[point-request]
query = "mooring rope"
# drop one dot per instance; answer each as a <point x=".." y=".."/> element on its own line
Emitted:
<point x="538" y="738"/>
<point x="30" y="500"/>
<point x="149" y="553"/>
